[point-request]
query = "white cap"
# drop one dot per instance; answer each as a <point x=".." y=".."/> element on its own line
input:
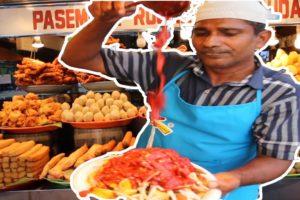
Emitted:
<point x="251" y="10"/>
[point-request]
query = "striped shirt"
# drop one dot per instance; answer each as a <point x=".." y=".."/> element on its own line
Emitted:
<point x="276" y="130"/>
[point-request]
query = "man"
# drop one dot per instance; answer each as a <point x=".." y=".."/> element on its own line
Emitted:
<point x="230" y="114"/>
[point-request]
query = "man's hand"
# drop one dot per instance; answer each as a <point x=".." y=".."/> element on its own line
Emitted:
<point x="226" y="182"/>
<point x="111" y="11"/>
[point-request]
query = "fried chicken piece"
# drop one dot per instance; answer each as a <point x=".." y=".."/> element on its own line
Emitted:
<point x="56" y="117"/>
<point x="14" y="115"/>
<point x="31" y="112"/>
<point x="19" y="105"/>
<point x="31" y="122"/>
<point x="31" y="96"/>
<point x="18" y="97"/>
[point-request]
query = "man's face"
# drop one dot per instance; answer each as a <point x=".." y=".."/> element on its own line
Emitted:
<point x="223" y="43"/>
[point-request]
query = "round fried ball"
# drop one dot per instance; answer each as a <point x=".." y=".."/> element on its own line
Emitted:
<point x="90" y="102"/>
<point x="78" y="117"/>
<point x="85" y="109"/>
<point x="115" y="115"/>
<point x="114" y="107"/>
<point x="131" y="112"/>
<point x="90" y="94"/>
<point x="127" y="105"/>
<point x="98" y="96"/>
<point x="80" y="101"/>
<point x="107" y="117"/>
<point x="101" y="103"/>
<point x="94" y="108"/>
<point x="123" y="97"/>
<point x="105" y="110"/>
<point x="65" y="106"/>
<point x="115" y="95"/>
<point x="118" y="103"/>
<point x="98" y="117"/>
<point x="76" y="107"/>
<point x="88" y="117"/>
<point x="83" y="99"/>
<point x="67" y="115"/>
<point x="105" y="96"/>
<point x="123" y="114"/>
<point x="109" y="101"/>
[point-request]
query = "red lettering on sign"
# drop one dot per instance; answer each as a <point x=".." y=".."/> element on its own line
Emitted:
<point x="80" y="16"/>
<point x="37" y="17"/>
<point x="295" y="9"/>
<point x="70" y="17"/>
<point x="139" y="18"/>
<point x="48" y="20"/>
<point x="150" y="19"/>
<point x="285" y="4"/>
<point x="60" y="20"/>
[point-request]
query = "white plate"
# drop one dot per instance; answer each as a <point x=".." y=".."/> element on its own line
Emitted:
<point x="79" y="182"/>
<point x="101" y="86"/>
<point x="46" y="88"/>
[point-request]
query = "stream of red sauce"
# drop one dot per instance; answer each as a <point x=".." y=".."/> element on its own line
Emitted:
<point x="156" y="98"/>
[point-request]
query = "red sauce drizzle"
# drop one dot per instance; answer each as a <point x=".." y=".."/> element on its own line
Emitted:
<point x="163" y="167"/>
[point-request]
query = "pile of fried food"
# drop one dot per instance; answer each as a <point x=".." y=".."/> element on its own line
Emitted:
<point x="21" y="160"/>
<point x="61" y="167"/>
<point x="36" y="72"/>
<point x="29" y="111"/>
<point x="151" y="173"/>
<point x="83" y="77"/>
<point x="99" y="107"/>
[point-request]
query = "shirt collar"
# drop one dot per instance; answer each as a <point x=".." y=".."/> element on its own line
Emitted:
<point x="254" y="80"/>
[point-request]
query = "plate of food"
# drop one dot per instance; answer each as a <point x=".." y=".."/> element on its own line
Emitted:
<point x="46" y="88"/>
<point x="151" y="173"/>
<point x="28" y="130"/>
<point x="101" y="124"/>
<point x="101" y="86"/>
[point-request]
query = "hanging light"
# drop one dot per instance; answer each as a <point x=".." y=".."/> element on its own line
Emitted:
<point x="37" y="43"/>
<point x="297" y="41"/>
<point x="273" y="40"/>
<point x="140" y="42"/>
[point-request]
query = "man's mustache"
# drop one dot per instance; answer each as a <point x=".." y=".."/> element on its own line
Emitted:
<point x="213" y="51"/>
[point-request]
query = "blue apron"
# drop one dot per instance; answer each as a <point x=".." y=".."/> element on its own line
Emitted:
<point x="218" y="138"/>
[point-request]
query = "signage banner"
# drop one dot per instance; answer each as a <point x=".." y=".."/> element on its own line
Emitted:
<point x="66" y="18"/>
<point x="290" y="10"/>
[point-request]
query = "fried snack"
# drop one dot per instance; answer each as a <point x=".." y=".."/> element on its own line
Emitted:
<point x="4" y="151"/>
<point x="107" y="147"/>
<point x="44" y="151"/>
<point x="34" y="174"/>
<point x="57" y="172"/>
<point x="35" y="164"/>
<point x="38" y="167"/>
<point x="127" y="138"/>
<point x="119" y="147"/>
<point x="6" y="143"/>
<point x="51" y="164"/>
<point x="73" y="157"/>
<point x="25" y="146"/>
<point x="87" y="78"/>
<point x="132" y="141"/>
<point x="34" y="149"/>
<point x="35" y="72"/>
<point x="67" y="174"/>
<point x="30" y="112"/>
<point x="91" y="153"/>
